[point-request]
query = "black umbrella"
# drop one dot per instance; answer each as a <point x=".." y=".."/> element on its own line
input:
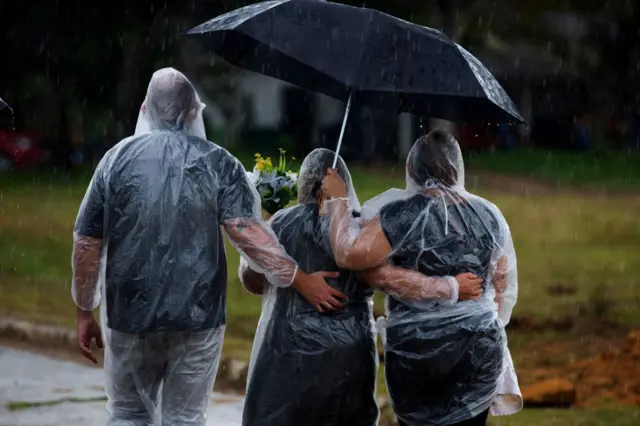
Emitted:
<point x="359" y="55"/>
<point x="3" y="104"/>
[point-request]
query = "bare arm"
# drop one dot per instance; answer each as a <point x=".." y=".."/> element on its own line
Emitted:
<point x="262" y="250"/>
<point x="88" y="234"/>
<point x="353" y="247"/>
<point x="86" y="270"/>
<point x="251" y="280"/>
<point x="499" y="280"/>
<point x="264" y="254"/>
<point x="354" y="250"/>
<point x="409" y="285"/>
<point x="239" y="213"/>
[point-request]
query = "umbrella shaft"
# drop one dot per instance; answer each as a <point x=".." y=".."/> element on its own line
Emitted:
<point x="344" y="125"/>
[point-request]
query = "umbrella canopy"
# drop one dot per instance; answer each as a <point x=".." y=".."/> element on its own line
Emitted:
<point x="359" y="54"/>
<point x="3" y="104"/>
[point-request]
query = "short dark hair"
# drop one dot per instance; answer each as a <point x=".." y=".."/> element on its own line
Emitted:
<point x="431" y="158"/>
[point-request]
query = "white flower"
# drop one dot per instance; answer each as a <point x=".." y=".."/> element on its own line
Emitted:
<point x="278" y="182"/>
<point x="253" y="176"/>
<point x="268" y="176"/>
<point x="270" y="183"/>
<point x="293" y="179"/>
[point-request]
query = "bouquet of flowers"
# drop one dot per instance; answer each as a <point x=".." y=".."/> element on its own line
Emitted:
<point x="276" y="185"/>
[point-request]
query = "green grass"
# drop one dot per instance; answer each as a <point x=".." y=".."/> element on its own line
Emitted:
<point x="627" y="416"/>
<point x="612" y="169"/>
<point x="609" y="416"/>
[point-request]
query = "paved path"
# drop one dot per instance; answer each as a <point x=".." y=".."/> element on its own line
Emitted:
<point x="39" y="391"/>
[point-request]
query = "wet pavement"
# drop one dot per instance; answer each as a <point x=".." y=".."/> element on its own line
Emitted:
<point x="36" y="390"/>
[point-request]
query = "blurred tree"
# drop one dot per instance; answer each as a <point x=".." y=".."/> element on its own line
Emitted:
<point x="96" y="61"/>
<point x="70" y="66"/>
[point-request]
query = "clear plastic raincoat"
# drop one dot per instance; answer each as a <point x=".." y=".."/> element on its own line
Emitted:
<point x="306" y="367"/>
<point x="148" y="247"/>
<point x="443" y="361"/>
<point x="321" y="366"/>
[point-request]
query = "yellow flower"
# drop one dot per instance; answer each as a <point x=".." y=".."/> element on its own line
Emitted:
<point x="263" y="164"/>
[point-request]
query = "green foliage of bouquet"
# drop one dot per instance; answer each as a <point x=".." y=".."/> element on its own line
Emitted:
<point x="276" y="185"/>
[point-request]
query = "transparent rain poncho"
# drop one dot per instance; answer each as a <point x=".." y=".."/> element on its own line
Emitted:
<point x="320" y="367"/>
<point x="444" y="362"/>
<point x="148" y="247"/>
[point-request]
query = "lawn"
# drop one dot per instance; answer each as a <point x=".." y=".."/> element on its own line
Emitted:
<point x="578" y="259"/>
<point x="574" y="417"/>
<point x="616" y="170"/>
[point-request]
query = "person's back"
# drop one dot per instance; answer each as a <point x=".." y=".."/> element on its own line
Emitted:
<point x="164" y="269"/>
<point x="148" y="236"/>
<point x="462" y="236"/>
<point x="150" y="222"/>
<point x="305" y="364"/>
<point x="443" y="361"/>
<point x="303" y="234"/>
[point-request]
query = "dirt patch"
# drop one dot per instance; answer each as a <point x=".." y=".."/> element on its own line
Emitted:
<point x="611" y="377"/>
<point x="557" y="393"/>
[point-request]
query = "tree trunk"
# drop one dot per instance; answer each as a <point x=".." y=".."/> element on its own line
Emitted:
<point x="128" y="102"/>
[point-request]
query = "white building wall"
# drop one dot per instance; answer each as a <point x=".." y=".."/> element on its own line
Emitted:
<point x="266" y="100"/>
<point x="329" y="111"/>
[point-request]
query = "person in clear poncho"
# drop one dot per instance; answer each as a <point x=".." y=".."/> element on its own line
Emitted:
<point x="443" y="362"/>
<point x="148" y="245"/>
<point x="320" y="369"/>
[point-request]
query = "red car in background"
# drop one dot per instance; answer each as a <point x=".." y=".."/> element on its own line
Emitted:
<point x="20" y="150"/>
